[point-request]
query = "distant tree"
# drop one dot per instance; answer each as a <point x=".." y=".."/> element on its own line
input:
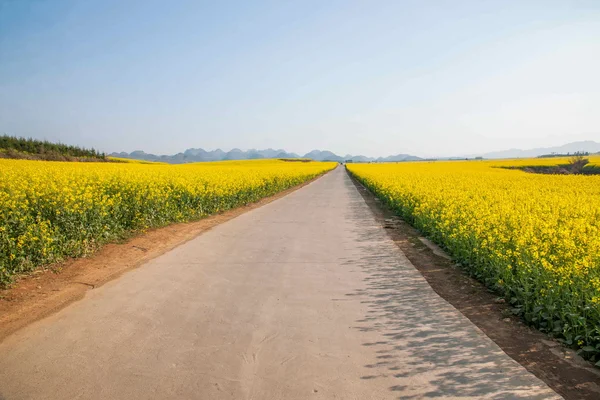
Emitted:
<point x="17" y="147"/>
<point x="577" y="162"/>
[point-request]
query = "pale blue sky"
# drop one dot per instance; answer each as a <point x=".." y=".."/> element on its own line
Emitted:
<point x="370" y="77"/>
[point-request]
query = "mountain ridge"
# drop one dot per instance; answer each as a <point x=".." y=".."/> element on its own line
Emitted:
<point x="199" y="154"/>
<point x="589" y="146"/>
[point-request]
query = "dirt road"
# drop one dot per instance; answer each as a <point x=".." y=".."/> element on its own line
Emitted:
<point x="304" y="298"/>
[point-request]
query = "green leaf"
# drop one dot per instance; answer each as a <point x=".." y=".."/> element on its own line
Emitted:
<point x="589" y="349"/>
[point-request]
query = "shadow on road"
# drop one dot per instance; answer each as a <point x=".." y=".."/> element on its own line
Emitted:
<point x="426" y="345"/>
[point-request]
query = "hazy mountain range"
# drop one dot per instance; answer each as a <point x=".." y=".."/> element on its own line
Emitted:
<point x="569" y="148"/>
<point x="196" y="155"/>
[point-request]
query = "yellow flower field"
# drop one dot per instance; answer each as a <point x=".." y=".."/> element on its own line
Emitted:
<point x="133" y="161"/>
<point x="534" y="238"/>
<point x="52" y="210"/>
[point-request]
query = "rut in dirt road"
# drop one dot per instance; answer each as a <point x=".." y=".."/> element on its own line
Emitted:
<point x="306" y="297"/>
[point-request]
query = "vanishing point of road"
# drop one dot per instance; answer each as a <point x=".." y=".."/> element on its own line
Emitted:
<point x="303" y="298"/>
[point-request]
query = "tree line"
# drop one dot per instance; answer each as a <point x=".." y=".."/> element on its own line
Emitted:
<point x="18" y="147"/>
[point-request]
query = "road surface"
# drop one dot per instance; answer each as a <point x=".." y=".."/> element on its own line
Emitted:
<point x="304" y="298"/>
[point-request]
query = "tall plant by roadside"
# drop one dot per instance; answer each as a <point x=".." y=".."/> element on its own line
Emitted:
<point x="53" y="210"/>
<point x="533" y="238"/>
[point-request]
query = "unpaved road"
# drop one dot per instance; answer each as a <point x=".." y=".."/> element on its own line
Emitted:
<point x="304" y="298"/>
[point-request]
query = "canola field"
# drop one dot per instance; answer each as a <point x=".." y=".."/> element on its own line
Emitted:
<point x="533" y="238"/>
<point x="53" y="210"/>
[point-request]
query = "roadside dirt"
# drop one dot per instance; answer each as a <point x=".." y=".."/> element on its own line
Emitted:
<point x="560" y="368"/>
<point x="48" y="290"/>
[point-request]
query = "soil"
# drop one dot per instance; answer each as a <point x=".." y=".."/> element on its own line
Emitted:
<point x="48" y="290"/>
<point x="560" y="368"/>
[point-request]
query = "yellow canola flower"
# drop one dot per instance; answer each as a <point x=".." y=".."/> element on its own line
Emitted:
<point x="52" y="210"/>
<point x="534" y="238"/>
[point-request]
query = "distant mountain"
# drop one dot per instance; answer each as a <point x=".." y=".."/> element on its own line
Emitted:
<point x="585" y="146"/>
<point x="399" y="157"/>
<point x="199" y="155"/>
<point x="396" y="158"/>
<point x="203" y="155"/>
<point x="349" y="157"/>
<point x="237" y="154"/>
<point x="329" y="156"/>
<point x="319" y="155"/>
